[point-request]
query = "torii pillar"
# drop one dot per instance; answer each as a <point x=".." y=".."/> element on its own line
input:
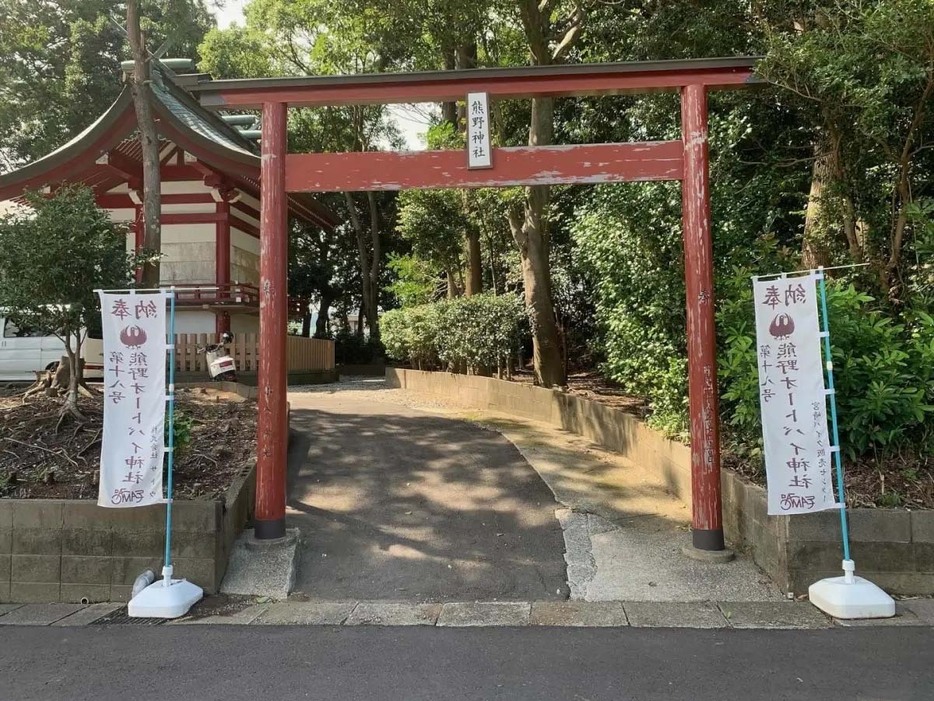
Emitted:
<point x="706" y="523"/>
<point x="269" y="519"/>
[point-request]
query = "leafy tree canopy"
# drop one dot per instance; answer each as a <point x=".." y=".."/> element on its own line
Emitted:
<point x="53" y="258"/>
<point x="60" y="64"/>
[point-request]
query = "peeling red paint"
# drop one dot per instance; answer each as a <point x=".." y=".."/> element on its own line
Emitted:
<point x="702" y="347"/>
<point x="272" y="426"/>
<point x="543" y="165"/>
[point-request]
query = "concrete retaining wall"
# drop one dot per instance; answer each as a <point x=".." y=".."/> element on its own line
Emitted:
<point x="893" y="548"/>
<point x="362" y="369"/>
<point x="71" y="550"/>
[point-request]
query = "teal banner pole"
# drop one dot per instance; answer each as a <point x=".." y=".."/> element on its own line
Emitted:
<point x="831" y="393"/>
<point x="170" y="448"/>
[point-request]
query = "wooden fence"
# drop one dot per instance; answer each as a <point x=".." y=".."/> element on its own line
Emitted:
<point x="303" y="354"/>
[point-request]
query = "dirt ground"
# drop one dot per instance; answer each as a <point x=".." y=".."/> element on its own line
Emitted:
<point x="42" y="458"/>
<point x="897" y="481"/>
<point x="593" y="386"/>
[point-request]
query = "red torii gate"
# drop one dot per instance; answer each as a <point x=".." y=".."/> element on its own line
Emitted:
<point x="685" y="160"/>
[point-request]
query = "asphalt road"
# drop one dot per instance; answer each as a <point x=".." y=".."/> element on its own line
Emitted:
<point x="398" y="504"/>
<point x="230" y="663"/>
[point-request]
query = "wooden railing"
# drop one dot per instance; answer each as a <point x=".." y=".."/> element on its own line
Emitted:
<point x="303" y="354"/>
<point x="230" y="294"/>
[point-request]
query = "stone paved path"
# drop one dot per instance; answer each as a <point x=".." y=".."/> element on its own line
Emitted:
<point x="398" y="504"/>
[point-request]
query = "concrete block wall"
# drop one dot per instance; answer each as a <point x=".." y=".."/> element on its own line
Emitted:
<point x="72" y="550"/>
<point x="893" y="548"/>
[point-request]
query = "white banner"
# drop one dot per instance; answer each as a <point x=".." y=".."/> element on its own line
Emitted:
<point x="134" y="399"/>
<point x="792" y="396"/>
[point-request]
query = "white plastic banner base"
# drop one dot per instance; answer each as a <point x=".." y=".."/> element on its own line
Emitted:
<point x="850" y="597"/>
<point x="167" y="598"/>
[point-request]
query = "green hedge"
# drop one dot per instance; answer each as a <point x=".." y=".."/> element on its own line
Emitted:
<point x="478" y="334"/>
<point x="883" y="369"/>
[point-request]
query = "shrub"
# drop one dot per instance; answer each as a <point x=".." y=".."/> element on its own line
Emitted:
<point x="481" y="332"/>
<point x="638" y="280"/>
<point x="392" y="334"/>
<point x="353" y="349"/>
<point x="883" y="372"/>
<point x="182" y="426"/>
<point x="478" y="333"/>
<point x="410" y="334"/>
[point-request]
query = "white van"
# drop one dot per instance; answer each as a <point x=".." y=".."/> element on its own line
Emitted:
<point x="25" y="350"/>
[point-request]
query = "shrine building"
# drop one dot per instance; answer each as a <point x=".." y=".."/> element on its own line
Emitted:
<point x="210" y="171"/>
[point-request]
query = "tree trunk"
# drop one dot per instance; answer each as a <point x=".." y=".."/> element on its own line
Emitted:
<point x="819" y="227"/>
<point x="549" y="40"/>
<point x="74" y="376"/>
<point x="363" y="257"/>
<point x="149" y="145"/>
<point x="372" y="319"/>
<point x="492" y="268"/>
<point x="71" y="397"/>
<point x="475" y="262"/>
<point x="324" y="310"/>
<point x="531" y="235"/>
<point x="449" y="109"/>
<point x="492" y="257"/>
<point x="813" y="243"/>
<point x="465" y="59"/>
<point x="306" y="325"/>
<point x="452" y="285"/>
<point x="903" y="192"/>
<point x="546" y="348"/>
<point x="891" y="279"/>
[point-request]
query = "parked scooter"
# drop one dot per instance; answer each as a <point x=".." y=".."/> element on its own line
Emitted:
<point x="221" y="365"/>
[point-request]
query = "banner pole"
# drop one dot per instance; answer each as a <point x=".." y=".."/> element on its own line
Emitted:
<point x="170" y="449"/>
<point x="849" y="596"/>
<point x="169" y="598"/>
<point x="828" y="364"/>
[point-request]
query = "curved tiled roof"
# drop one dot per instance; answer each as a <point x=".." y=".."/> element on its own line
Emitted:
<point x="180" y="118"/>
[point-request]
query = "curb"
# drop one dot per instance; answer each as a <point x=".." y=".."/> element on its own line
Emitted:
<point x="580" y="614"/>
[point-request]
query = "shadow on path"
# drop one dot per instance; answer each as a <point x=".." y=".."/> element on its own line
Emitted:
<point x="397" y="504"/>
